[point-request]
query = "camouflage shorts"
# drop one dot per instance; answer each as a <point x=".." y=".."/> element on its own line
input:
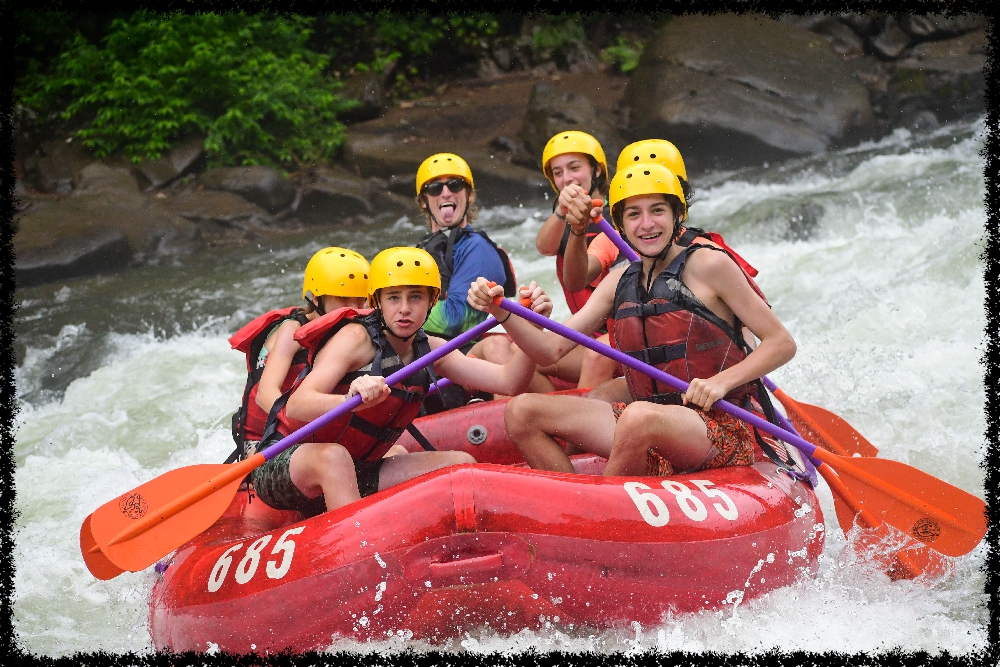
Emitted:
<point x="272" y="482"/>
<point x="732" y="443"/>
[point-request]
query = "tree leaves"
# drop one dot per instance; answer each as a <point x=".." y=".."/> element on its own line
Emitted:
<point x="249" y="84"/>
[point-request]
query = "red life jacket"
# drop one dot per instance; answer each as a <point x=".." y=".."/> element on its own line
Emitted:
<point x="691" y="235"/>
<point x="670" y="328"/>
<point x="369" y="433"/>
<point x="575" y="300"/>
<point x="249" y="420"/>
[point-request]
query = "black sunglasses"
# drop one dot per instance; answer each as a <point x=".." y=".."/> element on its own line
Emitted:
<point x="455" y="186"/>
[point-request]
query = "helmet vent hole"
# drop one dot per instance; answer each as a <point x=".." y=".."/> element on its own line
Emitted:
<point x="645" y="173"/>
<point x="628" y="175"/>
<point x="416" y="262"/>
<point x="400" y="263"/>
<point x="366" y="276"/>
<point x="351" y="276"/>
<point x="343" y="255"/>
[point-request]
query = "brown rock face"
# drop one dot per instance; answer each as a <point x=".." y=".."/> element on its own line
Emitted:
<point x="179" y="160"/>
<point x="946" y="78"/>
<point x="735" y="90"/>
<point x="551" y="110"/>
<point x="261" y="185"/>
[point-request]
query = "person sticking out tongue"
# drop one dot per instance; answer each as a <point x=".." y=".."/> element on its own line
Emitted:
<point x="446" y="194"/>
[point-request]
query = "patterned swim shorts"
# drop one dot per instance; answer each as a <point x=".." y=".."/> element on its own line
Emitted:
<point x="732" y="443"/>
<point x="272" y="483"/>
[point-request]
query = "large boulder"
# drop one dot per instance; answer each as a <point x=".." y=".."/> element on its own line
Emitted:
<point x="396" y="160"/>
<point x="185" y="157"/>
<point x="551" y="110"/>
<point x="261" y="185"/>
<point x="334" y="196"/>
<point x="83" y="251"/>
<point x="736" y="90"/>
<point x="936" y="26"/>
<point x="104" y="226"/>
<point x="54" y="166"/>
<point x="945" y="78"/>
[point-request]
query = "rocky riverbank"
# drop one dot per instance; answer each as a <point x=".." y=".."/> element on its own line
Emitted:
<point x="728" y="90"/>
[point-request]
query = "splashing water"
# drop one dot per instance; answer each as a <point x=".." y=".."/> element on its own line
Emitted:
<point x="870" y="256"/>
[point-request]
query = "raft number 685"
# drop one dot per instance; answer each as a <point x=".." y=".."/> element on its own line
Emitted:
<point x="654" y="510"/>
<point x="248" y="566"/>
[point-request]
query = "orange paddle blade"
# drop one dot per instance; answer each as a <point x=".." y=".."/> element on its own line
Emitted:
<point x="824" y="428"/>
<point x="945" y="518"/>
<point x="96" y="561"/>
<point x="142" y="526"/>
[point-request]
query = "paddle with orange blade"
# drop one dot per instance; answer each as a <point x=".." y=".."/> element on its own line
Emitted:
<point x="138" y="528"/>
<point x="814" y="422"/>
<point x="945" y="518"/>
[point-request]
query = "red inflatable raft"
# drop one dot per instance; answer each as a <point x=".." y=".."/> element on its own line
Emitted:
<point x="486" y="545"/>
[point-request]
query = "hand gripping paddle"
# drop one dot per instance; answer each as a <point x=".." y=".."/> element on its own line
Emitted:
<point x="141" y="526"/>
<point x="945" y="518"/>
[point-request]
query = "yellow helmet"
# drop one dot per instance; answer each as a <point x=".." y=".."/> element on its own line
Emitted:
<point x="572" y="141"/>
<point x="336" y="272"/>
<point x="397" y="267"/>
<point x="659" y="151"/>
<point x="643" y="179"/>
<point x="443" y="164"/>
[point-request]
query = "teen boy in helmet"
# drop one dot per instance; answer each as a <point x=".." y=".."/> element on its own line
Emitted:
<point x="334" y="278"/>
<point x="575" y="166"/>
<point x="351" y="353"/>
<point x="447" y="196"/>
<point x="683" y="310"/>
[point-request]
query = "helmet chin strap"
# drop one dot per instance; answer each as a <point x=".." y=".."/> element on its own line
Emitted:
<point x="662" y="255"/>
<point x="388" y="329"/>
<point x="318" y="305"/>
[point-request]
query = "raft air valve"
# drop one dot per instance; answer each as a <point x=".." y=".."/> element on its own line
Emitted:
<point x="477" y="434"/>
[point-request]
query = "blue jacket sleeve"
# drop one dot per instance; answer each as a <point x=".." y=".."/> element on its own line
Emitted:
<point x="473" y="257"/>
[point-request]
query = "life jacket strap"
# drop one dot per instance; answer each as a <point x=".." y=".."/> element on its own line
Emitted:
<point x="660" y="354"/>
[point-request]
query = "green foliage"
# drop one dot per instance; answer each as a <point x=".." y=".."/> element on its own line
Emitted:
<point x="417" y="47"/>
<point x="558" y="33"/>
<point x="623" y="55"/>
<point x="250" y="84"/>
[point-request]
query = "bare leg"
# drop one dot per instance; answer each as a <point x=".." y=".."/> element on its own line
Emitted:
<point x="395" y="450"/>
<point x="327" y="468"/>
<point x="533" y="419"/>
<point x="399" y="469"/>
<point x="612" y="391"/>
<point x="596" y="368"/>
<point x="676" y="432"/>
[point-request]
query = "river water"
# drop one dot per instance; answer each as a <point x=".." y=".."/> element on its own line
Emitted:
<point x="870" y="256"/>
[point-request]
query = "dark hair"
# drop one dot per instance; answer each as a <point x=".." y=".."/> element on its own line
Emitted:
<point x="599" y="182"/>
<point x="687" y="190"/>
<point x="673" y="201"/>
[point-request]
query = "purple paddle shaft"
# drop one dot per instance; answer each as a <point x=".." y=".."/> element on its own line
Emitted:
<point x="805" y="447"/>
<point x="353" y="402"/>
<point x="617" y="239"/>
<point x="633" y="256"/>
